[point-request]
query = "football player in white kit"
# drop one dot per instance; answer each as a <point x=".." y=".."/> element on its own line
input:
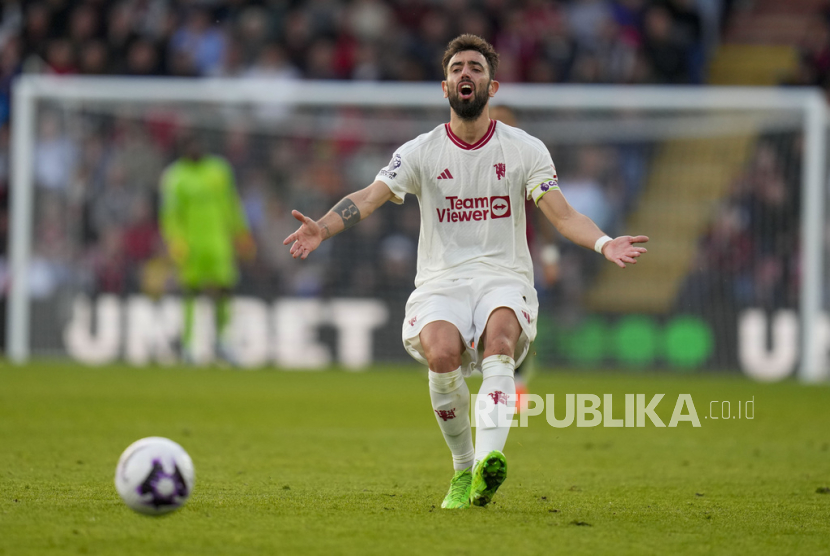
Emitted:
<point x="474" y="306"/>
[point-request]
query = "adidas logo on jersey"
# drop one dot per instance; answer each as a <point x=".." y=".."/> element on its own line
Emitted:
<point x="445" y="175"/>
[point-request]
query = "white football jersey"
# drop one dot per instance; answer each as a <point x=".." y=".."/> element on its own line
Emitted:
<point x="472" y="199"/>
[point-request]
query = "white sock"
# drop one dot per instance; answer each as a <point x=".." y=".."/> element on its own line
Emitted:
<point x="497" y="396"/>
<point x="451" y="405"/>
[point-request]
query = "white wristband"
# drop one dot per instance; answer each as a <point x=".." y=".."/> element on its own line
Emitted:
<point x="600" y="243"/>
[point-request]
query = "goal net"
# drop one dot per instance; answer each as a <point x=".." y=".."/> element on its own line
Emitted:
<point x="727" y="182"/>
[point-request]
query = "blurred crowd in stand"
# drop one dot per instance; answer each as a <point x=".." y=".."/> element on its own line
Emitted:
<point x="585" y="41"/>
<point x="814" y="54"/>
<point x="750" y="254"/>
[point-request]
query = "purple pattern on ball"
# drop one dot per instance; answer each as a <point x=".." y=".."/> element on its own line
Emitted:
<point x="150" y="484"/>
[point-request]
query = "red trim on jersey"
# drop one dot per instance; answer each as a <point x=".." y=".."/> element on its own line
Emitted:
<point x="478" y="144"/>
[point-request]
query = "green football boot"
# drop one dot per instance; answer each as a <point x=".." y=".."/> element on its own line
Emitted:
<point x="458" y="496"/>
<point x="488" y="476"/>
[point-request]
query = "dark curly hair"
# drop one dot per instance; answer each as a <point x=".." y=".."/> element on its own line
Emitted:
<point x="471" y="42"/>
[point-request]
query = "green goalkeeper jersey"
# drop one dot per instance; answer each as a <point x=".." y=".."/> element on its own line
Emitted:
<point x="201" y="211"/>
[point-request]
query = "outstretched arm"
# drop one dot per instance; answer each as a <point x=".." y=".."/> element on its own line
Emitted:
<point x="581" y="230"/>
<point x="345" y="214"/>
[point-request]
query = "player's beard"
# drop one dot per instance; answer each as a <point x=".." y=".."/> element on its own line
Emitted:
<point x="469" y="109"/>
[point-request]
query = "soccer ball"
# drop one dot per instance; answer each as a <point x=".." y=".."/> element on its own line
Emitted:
<point x="154" y="476"/>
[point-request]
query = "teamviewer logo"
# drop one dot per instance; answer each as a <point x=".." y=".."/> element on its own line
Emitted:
<point x="499" y="207"/>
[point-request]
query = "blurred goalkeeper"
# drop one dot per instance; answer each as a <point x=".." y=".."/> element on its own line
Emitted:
<point x="204" y="227"/>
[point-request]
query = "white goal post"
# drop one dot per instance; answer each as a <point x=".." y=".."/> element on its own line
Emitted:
<point x="809" y="103"/>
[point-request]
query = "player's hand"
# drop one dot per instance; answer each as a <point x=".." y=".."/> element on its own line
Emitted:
<point x="621" y="250"/>
<point x="245" y="246"/>
<point x="306" y="239"/>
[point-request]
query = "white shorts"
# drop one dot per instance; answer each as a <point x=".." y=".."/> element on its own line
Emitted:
<point x="467" y="303"/>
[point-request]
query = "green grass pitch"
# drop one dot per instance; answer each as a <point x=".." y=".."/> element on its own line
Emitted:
<point x="353" y="463"/>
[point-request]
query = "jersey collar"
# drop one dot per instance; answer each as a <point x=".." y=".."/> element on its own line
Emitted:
<point x="478" y="144"/>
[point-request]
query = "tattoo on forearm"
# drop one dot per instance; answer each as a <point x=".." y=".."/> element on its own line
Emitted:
<point x="326" y="232"/>
<point x="348" y="212"/>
